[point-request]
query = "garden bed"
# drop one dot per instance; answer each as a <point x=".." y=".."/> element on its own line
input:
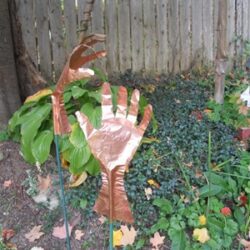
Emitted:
<point x="191" y="166"/>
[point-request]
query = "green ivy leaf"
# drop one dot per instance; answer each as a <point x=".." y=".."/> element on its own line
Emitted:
<point x="164" y="205"/>
<point x="41" y="146"/>
<point x="161" y="224"/>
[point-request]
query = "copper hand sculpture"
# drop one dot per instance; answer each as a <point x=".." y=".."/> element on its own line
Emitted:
<point x="73" y="71"/>
<point x="114" y="145"/>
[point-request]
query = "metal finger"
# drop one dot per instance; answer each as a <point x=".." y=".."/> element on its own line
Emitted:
<point x="107" y="106"/>
<point x="122" y="102"/>
<point x="134" y="106"/>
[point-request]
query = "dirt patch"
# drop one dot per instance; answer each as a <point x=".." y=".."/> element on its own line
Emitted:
<point x="19" y="212"/>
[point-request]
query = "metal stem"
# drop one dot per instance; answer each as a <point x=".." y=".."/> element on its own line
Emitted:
<point x="110" y="211"/>
<point x="62" y="192"/>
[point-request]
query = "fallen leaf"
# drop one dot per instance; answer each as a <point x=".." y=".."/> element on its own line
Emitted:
<point x="78" y="234"/>
<point x="245" y="243"/>
<point x="77" y="180"/>
<point x="157" y="240"/>
<point x="34" y="234"/>
<point x="7" y="183"/>
<point x="37" y="248"/>
<point x="201" y="235"/>
<point x="102" y="219"/>
<point x="148" y="193"/>
<point x="7" y="234"/>
<point x="38" y="95"/>
<point x="117" y="237"/>
<point x="44" y="183"/>
<point x="152" y="182"/>
<point x="60" y="232"/>
<point x="128" y="236"/>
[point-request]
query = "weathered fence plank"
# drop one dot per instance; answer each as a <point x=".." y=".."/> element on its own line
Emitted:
<point x="215" y="26"/>
<point x="174" y="36"/>
<point x="124" y="35"/>
<point x="162" y="37"/>
<point x="207" y="30"/>
<point x="136" y="17"/>
<point x="43" y="39"/>
<point x="70" y="19"/>
<point x="26" y="17"/>
<point x="149" y="35"/>
<point x="185" y="32"/>
<point x="98" y="27"/>
<point x="239" y="19"/>
<point x="197" y="43"/>
<point x="231" y="32"/>
<point x="57" y="39"/>
<point x="112" y="36"/>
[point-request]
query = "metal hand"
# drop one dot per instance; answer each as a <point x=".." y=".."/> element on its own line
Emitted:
<point x="114" y="145"/>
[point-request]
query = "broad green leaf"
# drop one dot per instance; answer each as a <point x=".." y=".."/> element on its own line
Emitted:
<point x="78" y="158"/>
<point x="77" y="137"/>
<point x="215" y="225"/>
<point x="96" y="95"/>
<point x="94" y="114"/>
<point x="64" y="143"/>
<point x="41" y="146"/>
<point x="164" y="205"/>
<point x="77" y="92"/>
<point x="93" y="166"/>
<point x="27" y="153"/>
<point x="161" y="224"/>
<point x="231" y="227"/>
<point x="217" y="180"/>
<point x="239" y="216"/>
<point x="140" y="243"/>
<point x="178" y="239"/>
<point x="211" y="190"/>
<point x="66" y="96"/>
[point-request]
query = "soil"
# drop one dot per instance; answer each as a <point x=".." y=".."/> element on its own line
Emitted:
<point x="19" y="212"/>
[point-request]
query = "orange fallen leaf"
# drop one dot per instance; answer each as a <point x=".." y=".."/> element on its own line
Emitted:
<point x="77" y="180"/>
<point x="34" y="234"/>
<point x="157" y="240"/>
<point x="78" y="234"/>
<point x="7" y="183"/>
<point x="60" y="232"/>
<point x="44" y="183"/>
<point x="128" y="236"/>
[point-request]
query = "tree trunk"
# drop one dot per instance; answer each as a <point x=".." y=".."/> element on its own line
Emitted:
<point x="9" y="89"/>
<point x="29" y="78"/>
<point x="221" y="56"/>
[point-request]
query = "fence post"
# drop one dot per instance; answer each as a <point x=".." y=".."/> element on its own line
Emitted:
<point x="9" y="89"/>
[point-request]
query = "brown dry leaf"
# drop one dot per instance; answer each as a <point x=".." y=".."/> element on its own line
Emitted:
<point x="60" y="232"/>
<point x="7" y="234"/>
<point x="148" y="192"/>
<point x="245" y="243"/>
<point x="77" y="180"/>
<point x="157" y="240"/>
<point x="198" y="173"/>
<point x="34" y="234"/>
<point x="78" y="234"/>
<point x="128" y="236"/>
<point x="44" y="183"/>
<point x="7" y="183"/>
<point x="102" y="219"/>
<point x="154" y="183"/>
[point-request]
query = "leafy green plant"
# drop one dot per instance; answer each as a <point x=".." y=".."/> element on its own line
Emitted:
<point x="228" y="112"/>
<point x="32" y="125"/>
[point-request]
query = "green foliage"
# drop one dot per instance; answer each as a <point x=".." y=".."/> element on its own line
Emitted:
<point x="32" y="125"/>
<point x="228" y="112"/>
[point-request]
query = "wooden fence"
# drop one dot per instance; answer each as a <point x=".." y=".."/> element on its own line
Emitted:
<point x="152" y="36"/>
